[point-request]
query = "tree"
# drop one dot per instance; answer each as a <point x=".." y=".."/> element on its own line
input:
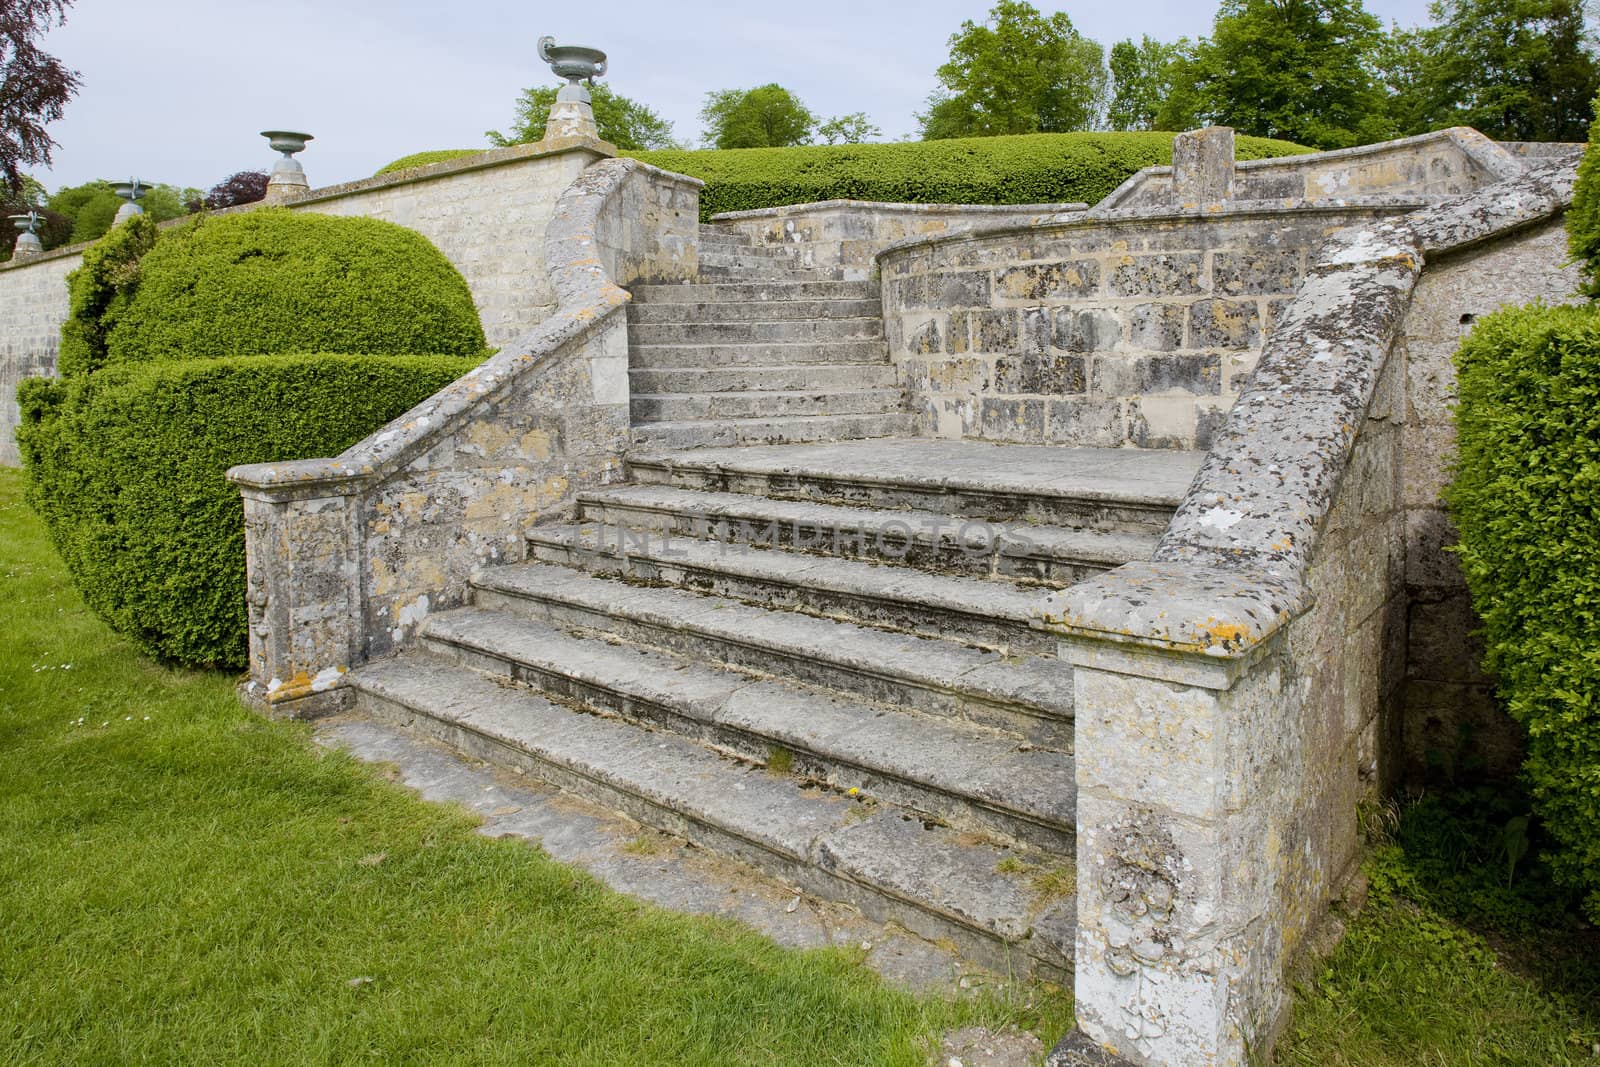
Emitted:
<point x="1017" y="72"/>
<point x="1516" y="70"/>
<point x="768" y="116"/>
<point x="1301" y="70"/>
<point x="628" y="124"/>
<point x="34" y="87"/>
<point x="853" y="128"/>
<point x="245" y="187"/>
<point x="92" y="206"/>
<point x="1142" y="77"/>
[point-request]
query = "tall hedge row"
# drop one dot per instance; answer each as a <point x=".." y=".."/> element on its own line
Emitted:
<point x="1526" y="497"/>
<point x="1024" y="169"/>
<point x="126" y="466"/>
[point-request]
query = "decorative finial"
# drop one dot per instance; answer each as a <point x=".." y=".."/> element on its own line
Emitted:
<point x="288" y="178"/>
<point x="572" y="115"/>
<point x="131" y="191"/>
<point x="28" y="240"/>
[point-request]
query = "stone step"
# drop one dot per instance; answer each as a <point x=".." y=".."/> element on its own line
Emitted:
<point x="783" y="330"/>
<point x="754" y="311"/>
<point x="1025" y="695"/>
<point x="937" y="882"/>
<point x="793" y="429"/>
<point x="716" y="292"/>
<point x="721" y="235"/>
<point x="810" y="377"/>
<point x="731" y="256"/>
<point x="964" y="776"/>
<point x="757" y="352"/>
<point x="745" y="275"/>
<point x="987" y="613"/>
<point x="722" y="246"/>
<point x="670" y="407"/>
<point x="929" y="539"/>
<point x="1134" y="490"/>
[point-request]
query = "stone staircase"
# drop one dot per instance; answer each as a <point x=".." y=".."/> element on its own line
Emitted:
<point x="812" y="656"/>
<point x="761" y="351"/>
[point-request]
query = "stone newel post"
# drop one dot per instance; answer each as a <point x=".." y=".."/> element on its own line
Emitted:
<point x="1202" y="165"/>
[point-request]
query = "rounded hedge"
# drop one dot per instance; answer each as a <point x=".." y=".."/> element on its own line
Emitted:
<point x="1526" y="497"/>
<point x="126" y="466"/>
<point x="424" y="159"/>
<point x="272" y="281"/>
<point x="1035" y="168"/>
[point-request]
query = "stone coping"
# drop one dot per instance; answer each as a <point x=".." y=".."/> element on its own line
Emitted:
<point x="1486" y="153"/>
<point x="1237" y="552"/>
<point x="898" y="208"/>
<point x="1186" y="213"/>
<point x="586" y="298"/>
<point x="491" y="157"/>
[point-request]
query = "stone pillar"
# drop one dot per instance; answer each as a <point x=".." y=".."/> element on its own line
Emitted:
<point x="28" y="244"/>
<point x="303" y="595"/>
<point x="1184" y="735"/>
<point x="1202" y="165"/>
<point x="572" y="115"/>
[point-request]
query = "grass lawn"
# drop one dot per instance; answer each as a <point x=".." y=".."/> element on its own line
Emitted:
<point x="181" y="881"/>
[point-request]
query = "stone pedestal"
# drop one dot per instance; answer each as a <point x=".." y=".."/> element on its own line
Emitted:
<point x="572" y="115"/>
<point x="1202" y="165"/>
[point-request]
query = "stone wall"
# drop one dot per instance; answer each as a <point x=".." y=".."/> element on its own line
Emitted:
<point x="347" y="556"/>
<point x="1238" y="696"/>
<point x="1444" y="163"/>
<point x="847" y="234"/>
<point x="487" y="214"/>
<point x="1125" y="330"/>
<point x="33" y="305"/>
<point x="1451" y="715"/>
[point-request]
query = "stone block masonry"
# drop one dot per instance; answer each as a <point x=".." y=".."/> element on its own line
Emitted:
<point x="33" y="305"/>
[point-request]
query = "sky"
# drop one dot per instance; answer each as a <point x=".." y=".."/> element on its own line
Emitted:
<point x="176" y="91"/>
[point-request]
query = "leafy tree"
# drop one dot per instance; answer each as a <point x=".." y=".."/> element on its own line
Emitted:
<point x="768" y="116"/>
<point x="1516" y="70"/>
<point x="853" y="128"/>
<point x="34" y="87"/>
<point x="1017" y="72"/>
<point x="245" y="187"/>
<point x="628" y="124"/>
<point x="1142" y="76"/>
<point x="92" y="206"/>
<point x="1300" y="70"/>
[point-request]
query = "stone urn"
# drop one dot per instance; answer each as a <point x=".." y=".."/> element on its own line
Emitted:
<point x="27" y="240"/>
<point x="131" y="191"/>
<point x="288" y="177"/>
<point x="572" y="115"/>
<point x="573" y="62"/>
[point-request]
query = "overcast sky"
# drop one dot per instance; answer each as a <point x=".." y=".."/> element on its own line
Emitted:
<point x="177" y="90"/>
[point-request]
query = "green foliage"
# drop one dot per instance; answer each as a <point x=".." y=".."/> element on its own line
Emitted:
<point x="1142" y="76"/>
<point x="1515" y="70"/>
<point x="126" y="468"/>
<point x="628" y="124"/>
<point x="768" y="116"/>
<point x="92" y="206"/>
<point x="1583" y="218"/>
<point x="98" y="294"/>
<point x="1017" y="72"/>
<point x="271" y="280"/>
<point x="1301" y="70"/>
<point x="425" y="159"/>
<point x="1031" y="169"/>
<point x="854" y="128"/>
<point x="1528" y="476"/>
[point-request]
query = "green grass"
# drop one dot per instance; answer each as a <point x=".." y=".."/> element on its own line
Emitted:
<point x="182" y="882"/>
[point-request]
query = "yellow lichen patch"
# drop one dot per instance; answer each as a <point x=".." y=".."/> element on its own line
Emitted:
<point x="1224" y="633"/>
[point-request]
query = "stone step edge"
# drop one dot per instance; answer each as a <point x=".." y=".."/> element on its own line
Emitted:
<point x="934" y="792"/>
<point x="818" y="870"/>
<point x="862" y="592"/>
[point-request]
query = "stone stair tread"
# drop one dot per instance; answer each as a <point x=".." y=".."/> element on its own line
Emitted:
<point x="1063" y="542"/>
<point x="789" y="377"/>
<point x="708" y="292"/>
<point x="1146" y="476"/>
<point x="987" y="597"/>
<point x="763" y="311"/>
<point x="699" y="433"/>
<point x="1042" y="685"/>
<point x="949" y="756"/>
<point x="962" y="881"/>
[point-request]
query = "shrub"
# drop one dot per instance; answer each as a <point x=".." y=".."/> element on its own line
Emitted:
<point x="1524" y="497"/>
<point x="1040" y="168"/>
<point x="1583" y="218"/>
<point x="126" y="466"/>
<point x="272" y="281"/>
<point x="424" y="159"/>
<point x="98" y="293"/>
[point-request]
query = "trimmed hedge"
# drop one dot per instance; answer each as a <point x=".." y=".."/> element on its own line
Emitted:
<point x="126" y="467"/>
<point x="272" y="281"/>
<point x="99" y="291"/>
<point x="1526" y="497"/>
<point x="423" y="159"/>
<point x="1583" y="218"/>
<point x="1038" y="168"/>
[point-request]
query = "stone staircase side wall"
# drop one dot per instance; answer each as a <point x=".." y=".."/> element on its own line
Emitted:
<point x="33" y="305"/>
<point x="847" y="234"/>
<point x="346" y="556"/>
<point x="1240" y="695"/>
<point x="1130" y="330"/>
